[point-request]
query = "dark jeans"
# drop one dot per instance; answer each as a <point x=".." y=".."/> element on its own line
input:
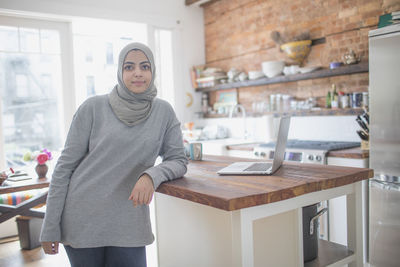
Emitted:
<point x="107" y="256"/>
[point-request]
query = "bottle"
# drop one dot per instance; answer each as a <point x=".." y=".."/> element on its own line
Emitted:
<point x="335" y="97"/>
<point x="204" y="103"/>
<point x="344" y="100"/>
<point x="328" y="100"/>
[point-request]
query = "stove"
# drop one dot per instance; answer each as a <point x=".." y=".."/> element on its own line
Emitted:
<point x="303" y="150"/>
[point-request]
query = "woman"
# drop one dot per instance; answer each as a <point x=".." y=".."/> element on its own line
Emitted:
<point x="105" y="178"/>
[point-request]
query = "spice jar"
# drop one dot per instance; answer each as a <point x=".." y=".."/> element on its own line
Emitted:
<point x="356" y="100"/>
<point x="365" y="99"/>
<point x="286" y="102"/>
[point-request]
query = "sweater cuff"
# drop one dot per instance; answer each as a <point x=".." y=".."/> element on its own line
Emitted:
<point x="155" y="175"/>
<point x="50" y="236"/>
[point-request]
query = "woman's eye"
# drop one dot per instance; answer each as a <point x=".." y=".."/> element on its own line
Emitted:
<point x="145" y="67"/>
<point x="128" y="67"/>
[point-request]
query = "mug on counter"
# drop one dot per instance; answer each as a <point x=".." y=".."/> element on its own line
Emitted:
<point x="194" y="151"/>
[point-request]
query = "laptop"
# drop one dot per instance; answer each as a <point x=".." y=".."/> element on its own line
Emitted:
<point x="263" y="168"/>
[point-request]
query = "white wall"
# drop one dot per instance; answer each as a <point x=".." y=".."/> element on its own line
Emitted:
<point x="264" y="129"/>
<point x="187" y="23"/>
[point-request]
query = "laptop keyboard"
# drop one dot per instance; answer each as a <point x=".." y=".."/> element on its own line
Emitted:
<point x="259" y="167"/>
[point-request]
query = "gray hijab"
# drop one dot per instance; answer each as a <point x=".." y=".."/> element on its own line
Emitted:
<point x="133" y="108"/>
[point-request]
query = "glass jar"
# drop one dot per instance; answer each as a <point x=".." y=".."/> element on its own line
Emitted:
<point x="356" y="100"/>
<point x="279" y="102"/>
<point x="365" y="99"/>
<point x="344" y="101"/>
<point x="272" y="102"/>
<point x="286" y="102"/>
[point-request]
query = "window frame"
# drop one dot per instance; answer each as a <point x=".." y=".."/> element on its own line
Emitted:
<point x="67" y="95"/>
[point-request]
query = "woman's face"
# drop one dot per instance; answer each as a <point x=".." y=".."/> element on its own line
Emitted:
<point x="136" y="71"/>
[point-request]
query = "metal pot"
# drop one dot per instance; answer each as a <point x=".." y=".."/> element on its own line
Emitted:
<point x="310" y="231"/>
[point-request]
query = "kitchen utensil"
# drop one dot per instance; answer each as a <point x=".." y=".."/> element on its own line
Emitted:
<point x="310" y="232"/>
<point x="366" y="117"/>
<point x="364" y="120"/>
<point x="362" y="135"/>
<point x="362" y="124"/>
<point x="297" y="51"/>
<point x="272" y="68"/>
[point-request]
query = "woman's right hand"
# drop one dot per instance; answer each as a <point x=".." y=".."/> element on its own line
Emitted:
<point x="50" y="247"/>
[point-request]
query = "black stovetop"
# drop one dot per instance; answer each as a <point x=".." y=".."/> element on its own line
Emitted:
<point x="316" y="145"/>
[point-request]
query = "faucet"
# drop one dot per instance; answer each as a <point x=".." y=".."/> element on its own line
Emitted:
<point x="235" y="109"/>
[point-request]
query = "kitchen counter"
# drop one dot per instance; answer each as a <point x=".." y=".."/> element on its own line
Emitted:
<point x="202" y="185"/>
<point x="209" y="220"/>
<point x="353" y="153"/>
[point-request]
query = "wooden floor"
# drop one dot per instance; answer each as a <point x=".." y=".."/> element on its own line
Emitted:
<point x="11" y="255"/>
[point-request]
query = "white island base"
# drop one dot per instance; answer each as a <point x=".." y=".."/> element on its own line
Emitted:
<point x="195" y="235"/>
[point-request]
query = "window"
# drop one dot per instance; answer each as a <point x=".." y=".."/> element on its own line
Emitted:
<point x="90" y="91"/>
<point x="101" y="39"/>
<point x="109" y="54"/>
<point x="30" y="88"/>
<point x="164" y="65"/>
<point x="38" y="100"/>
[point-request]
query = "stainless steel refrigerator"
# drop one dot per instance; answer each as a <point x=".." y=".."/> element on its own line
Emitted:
<point x="384" y="199"/>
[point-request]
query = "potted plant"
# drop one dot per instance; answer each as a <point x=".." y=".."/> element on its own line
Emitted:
<point x="41" y="158"/>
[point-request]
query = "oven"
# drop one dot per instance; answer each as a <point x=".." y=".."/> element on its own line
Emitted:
<point x="306" y="151"/>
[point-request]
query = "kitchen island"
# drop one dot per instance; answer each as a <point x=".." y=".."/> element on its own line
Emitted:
<point x="209" y="220"/>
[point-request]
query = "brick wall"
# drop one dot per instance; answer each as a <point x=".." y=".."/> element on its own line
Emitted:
<point x="237" y="34"/>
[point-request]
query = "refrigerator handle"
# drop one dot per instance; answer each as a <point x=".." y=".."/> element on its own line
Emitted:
<point x="387" y="178"/>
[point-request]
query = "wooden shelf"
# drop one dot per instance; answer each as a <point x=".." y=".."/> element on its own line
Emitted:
<point x="298" y="113"/>
<point x="323" y="73"/>
<point x="331" y="254"/>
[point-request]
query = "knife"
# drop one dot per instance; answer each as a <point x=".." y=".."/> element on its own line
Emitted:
<point x="366" y="117"/>
<point x="362" y="124"/>
<point x="362" y="135"/>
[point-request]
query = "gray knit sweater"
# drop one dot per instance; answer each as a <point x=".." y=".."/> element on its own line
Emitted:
<point x="87" y="204"/>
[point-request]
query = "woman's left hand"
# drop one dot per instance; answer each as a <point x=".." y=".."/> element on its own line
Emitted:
<point x="143" y="190"/>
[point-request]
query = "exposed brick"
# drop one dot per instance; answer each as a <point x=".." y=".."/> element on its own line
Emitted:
<point x="237" y="34"/>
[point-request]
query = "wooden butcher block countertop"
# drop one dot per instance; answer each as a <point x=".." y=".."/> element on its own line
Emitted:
<point x="201" y="183"/>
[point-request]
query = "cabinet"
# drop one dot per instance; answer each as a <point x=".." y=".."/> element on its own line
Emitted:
<point x="254" y="221"/>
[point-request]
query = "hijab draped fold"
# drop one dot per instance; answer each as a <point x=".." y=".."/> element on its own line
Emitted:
<point x="133" y="108"/>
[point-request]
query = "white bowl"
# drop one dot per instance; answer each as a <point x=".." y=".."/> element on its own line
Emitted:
<point x="255" y="74"/>
<point x="272" y="68"/>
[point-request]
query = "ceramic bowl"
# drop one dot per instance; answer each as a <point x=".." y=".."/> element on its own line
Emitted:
<point x="272" y="68"/>
<point x="297" y="51"/>
<point x="255" y="75"/>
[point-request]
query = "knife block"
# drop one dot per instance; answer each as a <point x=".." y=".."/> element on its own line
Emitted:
<point x="364" y="145"/>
